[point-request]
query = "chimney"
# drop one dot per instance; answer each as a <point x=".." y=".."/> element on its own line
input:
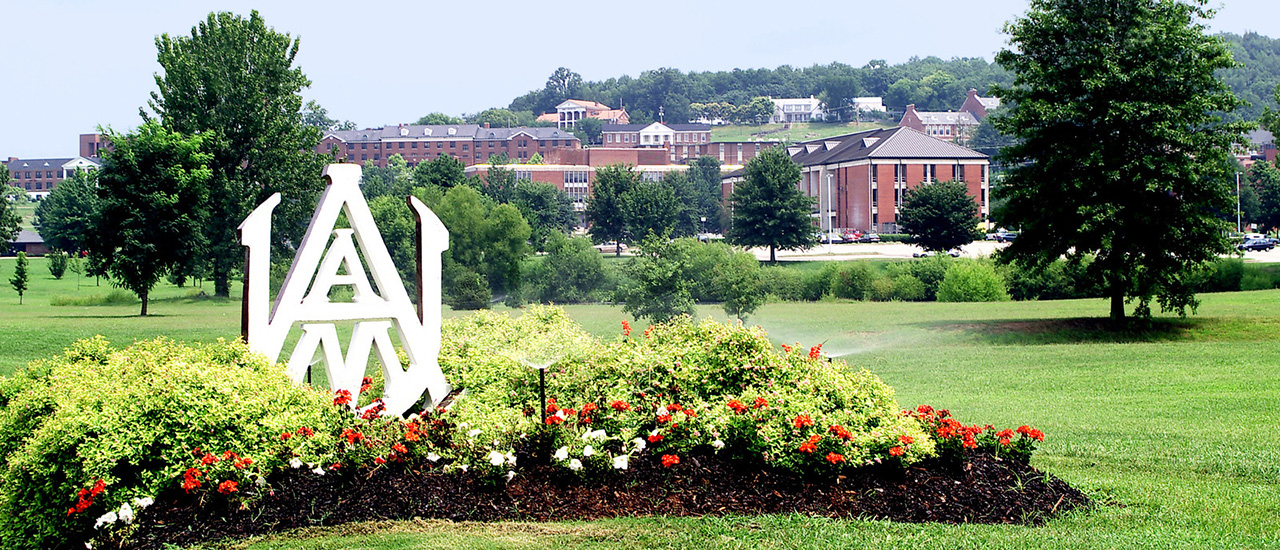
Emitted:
<point x="486" y="126"/>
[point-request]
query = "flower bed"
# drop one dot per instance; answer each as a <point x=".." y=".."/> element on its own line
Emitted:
<point x="89" y="438"/>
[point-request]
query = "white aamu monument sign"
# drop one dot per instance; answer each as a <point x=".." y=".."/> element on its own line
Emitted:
<point x="329" y="257"/>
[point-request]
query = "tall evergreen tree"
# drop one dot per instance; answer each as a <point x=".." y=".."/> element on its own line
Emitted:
<point x="20" y="276"/>
<point x="233" y="82"/>
<point x="768" y="207"/>
<point x="1121" y="155"/>
<point x="10" y="221"/>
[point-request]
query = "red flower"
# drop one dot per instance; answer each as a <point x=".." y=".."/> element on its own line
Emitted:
<point x="588" y="408"/>
<point x="897" y="451"/>
<point x="306" y="432"/>
<point x="97" y="488"/>
<point x="570" y="412"/>
<point x="342" y="397"/>
<point x="189" y="479"/>
<point x="1024" y="430"/>
<point x="553" y="420"/>
<point x="786" y="348"/>
<point x="675" y="407"/>
<point x="664" y="418"/>
<point x="840" y="432"/>
<point x="690" y="413"/>
<point x="835" y="458"/>
<point x="352" y="436"/>
<point x="626" y="328"/>
<point x="924" y="409"/>
<point x="335" y="466"/>
<point x="227" y="487"/>
<point x="620" y="405"/>
<point x="815" y="351"/>
<point x="808" y="447"/>
<point x="906" y="439"/>
<point x="1004" y="441"/>
<point x="759" y="403"/>
<point x="228" y="455"/>
<point x="551" y="406"/>
<point x="670" y="460"/>
<point x="208" y="459"/>
<point x="285" y="436"/>
<point x="655" y="438"/>
<point x="379" y="460"/>
<point x="648" y="331"/>
<point x="1005" y="434"/>
<point x="84" y="497"/>
<point x="399" y="448"/>
<point x="737" y="406"/>
<point x="1037" y="435"/>
<point x="801" y="421"/>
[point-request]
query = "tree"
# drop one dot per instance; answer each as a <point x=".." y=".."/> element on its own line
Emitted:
<point x="737" y="281"/>
<point x="1122" y="156"/>
<point x="658" y="288"/>
<point x="66" y="215"/>
<point x="652" y="208"/>
<point x="20" y="276"/>
<point x="1264" y="178"/>
<point x="438" y="119"/>
<point x="10" y="220"/>
<point x="57" y="261"/>
<point x="150" y="190"/>
<point x="318" y="117"/>
<point x="496" y="118"/>
<point x="547" y="208"/>
<point x="704" y="175"/>
<point x="940" y="216"/>
<point x="443" y="171"/>
<point x="592" y="128"/>
<point x="571" y="271"/>
<point x="768" y="207"/>
<point x="396" y="179"/>
<point x="485" y="238"/>
<point x="606" y="207"/>
<point x="233" y="83"/>
<point x="760" y="110"/>
<point x="499" y="181"/>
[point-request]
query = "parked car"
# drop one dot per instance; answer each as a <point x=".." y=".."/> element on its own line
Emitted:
<point x="833" y="238"/>
<point x="869" y="238"/>
<point x="954" y="253"/>
<point x="611" y="247"/>
<point x="1256" y="245"/>
<point x="1006" y="237"/>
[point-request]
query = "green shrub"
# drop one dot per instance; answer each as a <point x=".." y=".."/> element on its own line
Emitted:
<point x="930" y="272"/>
<point x="907" y="288"/>
<point x="783" y="283"/>
<point x="1224" y="275"/>
<point x="571" y="272"/>
<point x="116" y="297"/>
<point x="851" y="280"/>
<point x="470" y="290"/>
<point x="57" y="263"/>
<point x="1260" y="277"/>
<point x="703" y="259"/>
<point x="894" y="237"/>
<point x="132" y="418"/>
<point x="972" y="281"/>
<point x="881" y="289"/>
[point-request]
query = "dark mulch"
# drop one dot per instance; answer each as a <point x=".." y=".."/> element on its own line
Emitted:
<point x="986" y="489"/>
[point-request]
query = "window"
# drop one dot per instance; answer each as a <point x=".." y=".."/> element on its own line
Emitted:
<point x="524" y="175"/>
<point x="874" y="173"/>
<point x="364" y="145"/>
<point x="899" y="173"/>
<point x="402" y="145"/>
<point x="439" y="145"/>
<point x="414" y="145"/>
<point x="364" y="157"/>
<point x="377" y="157"/>
<point x="453" y="145"/>
<point x="956" y="173"/>
<point x="464" y="147"/>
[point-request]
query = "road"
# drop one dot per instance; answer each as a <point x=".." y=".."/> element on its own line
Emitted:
<point x="882" y="251"/>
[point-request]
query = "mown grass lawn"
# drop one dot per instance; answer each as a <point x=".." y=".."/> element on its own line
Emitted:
<point x="800" y="131"/>
<point x="1170" y="428"/>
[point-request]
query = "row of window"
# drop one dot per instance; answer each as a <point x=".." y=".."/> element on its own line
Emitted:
<point x="453" y="144"/>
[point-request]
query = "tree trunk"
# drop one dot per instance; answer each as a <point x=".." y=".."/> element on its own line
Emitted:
<point x="1117" y="301"/>
<point x="221" y="278"/>
<point x="144" y="303"/>
<point x="772" y="258"/>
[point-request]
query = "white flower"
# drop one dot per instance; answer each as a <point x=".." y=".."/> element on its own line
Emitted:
<point x="106" y="519"/>
<point x="142" y="503"/>
<point x="260" y="481"/>
<point x="597" y="434"/>
<point x="463" y="467"/>
<point x="662" y="410"/>
<point x="560" y="414"/>
<point x="588" y="451"/>
<point x="88" y="546"/>
<point x="126" y="513"/>
<point x="717" y="444"/>
<point x="473" y="433"/>
<point x="318" y="471"/>
<point x="295" y="463"/>
<point x="495" y="458"/>
<point x="562" y="453"/>
<point x="463" y="425"/>
<point x="620" y="462"/>
<point x="433" y="457"/>
<point x="639" y="441"/>
<point x="575" y="464"/>
<point x="510" y="474"/>
<point x="511" y="459"/>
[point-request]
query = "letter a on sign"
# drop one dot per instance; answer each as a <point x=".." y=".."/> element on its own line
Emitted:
<point x="331" y="257"/>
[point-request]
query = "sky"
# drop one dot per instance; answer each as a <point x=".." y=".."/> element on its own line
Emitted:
<point x="73" y="65"/>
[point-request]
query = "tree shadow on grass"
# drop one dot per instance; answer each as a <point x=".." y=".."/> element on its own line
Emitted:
<point x="120" y="316"/>
<point x="1084" y="330"/>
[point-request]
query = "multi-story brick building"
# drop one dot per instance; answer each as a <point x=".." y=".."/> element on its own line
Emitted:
<point x="40" y="176"/>
<point x="469" y="143"/>
<point x="951" y="125"/>
<point x="979" y="106"/>
<point x="859" y="179"/>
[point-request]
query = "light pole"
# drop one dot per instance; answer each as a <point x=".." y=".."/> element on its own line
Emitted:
<point x="830" y="226"/>
<point x="1238" y="202"/>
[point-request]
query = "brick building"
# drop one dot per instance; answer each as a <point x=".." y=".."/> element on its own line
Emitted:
<point x="40" y="176"/>
<point x="469" y="143"/>
<point x="859" y="179"/>
<point x="951" y="125"/>
<point x="979" y="106"/>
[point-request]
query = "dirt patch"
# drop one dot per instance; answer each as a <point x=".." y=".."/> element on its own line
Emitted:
<point x="985" y="489"/>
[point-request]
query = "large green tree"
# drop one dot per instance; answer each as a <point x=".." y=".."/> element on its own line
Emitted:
<point x="1265" y="180"/>
<point x="606" y="207"/>
<point x="547" y="208"/>
<point x="233" y="82"/>
<point x="150" y="191"/>
<point x="66" y="215"/>
<point x="1121" y="155"/>
<point x="443" y="171"/>
<point x="704" y="175"/>
<point x="940" y="216"/>
<point x="768" y="207"/>
<point x="10" y="221"/>
<point x="658" y="287"/>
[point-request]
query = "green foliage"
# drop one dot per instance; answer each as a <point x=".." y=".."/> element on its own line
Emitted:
<point x="20" y="276"/>
<point x="658" y="287"/>
<point x="151" y="219"/>
<point x="132" y="419"/>
<point x="484" y="239"/>
<point x="704" y="175"/>
<point x="850" y="280"/>
<point x="571" y="272"/>
<point x="443" y="171"/>
<point x="396" y="179"/>
<point x="316" y="116"/>
<point x="940" y="216"/>
<point x="438" y="119"/>
<point x="1264" y="179"/>
<point x="592" y="128"/>
<point x="57" y="261"/>
<point x="606" y="206"/>
<point x="972" y="281"/>
<point x="548" y="210"/>
<point x="65" y="217"/>
<point x="737" y="282"/>
<point x="233" y="82"/>
<point x="652" y="208"/>
<point x="469" y="290"/>
<point x="768" y="208"/>
<point x="1158" y="147"/>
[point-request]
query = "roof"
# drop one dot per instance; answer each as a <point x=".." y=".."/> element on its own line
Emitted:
<point x="898" y="142"/>
<point x="548" y="117"/>
<point x="460" y="131"/>
<point x="947" y="117"/>
<point x="41" y="164"/>
<point x="1260" y="137"/>
<point x="638" y="127"/>
<point x="28" y="237"/>
<point x="584" y="104"/>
